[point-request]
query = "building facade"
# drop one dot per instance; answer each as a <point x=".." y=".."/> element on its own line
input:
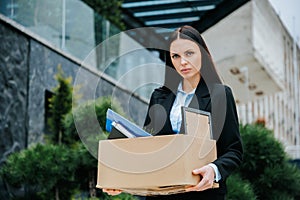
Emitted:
<point x="260" y="60"/>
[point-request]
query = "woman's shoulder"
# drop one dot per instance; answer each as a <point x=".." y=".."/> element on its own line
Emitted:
<point x="222" y="91"/>
<point x="229" y="94"/>
<point x="222" y="88"/>
<point x="160" y="93"/>
<point x="228" y="89"/>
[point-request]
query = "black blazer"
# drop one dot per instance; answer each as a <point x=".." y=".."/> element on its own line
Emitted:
<point x="217" y="100"/>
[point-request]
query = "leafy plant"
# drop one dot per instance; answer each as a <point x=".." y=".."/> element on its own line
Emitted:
<point x="60" y="105"/>
<point x="239" y="189"/>
<point x="266" y="165"/>
<point x="45" y="171"/>
<point x="279" y="182"/>
<point x="261" y="150"/>
<point x="87" y="122"/>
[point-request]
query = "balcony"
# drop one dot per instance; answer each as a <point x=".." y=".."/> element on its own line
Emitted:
<point x="247" y="50"/>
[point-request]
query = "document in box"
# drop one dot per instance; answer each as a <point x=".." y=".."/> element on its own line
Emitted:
<point x="114" y="121"/>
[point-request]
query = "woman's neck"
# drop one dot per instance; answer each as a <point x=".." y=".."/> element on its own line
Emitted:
<point x="190" y="84"/>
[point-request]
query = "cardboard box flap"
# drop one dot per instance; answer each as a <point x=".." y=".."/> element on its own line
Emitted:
<point x="175" y="189"/>
<point x="144" y="155"/>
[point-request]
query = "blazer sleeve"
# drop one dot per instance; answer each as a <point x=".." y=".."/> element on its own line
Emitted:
<point x="153" y="116"/>
<point x="229" y="144"/>
<point x="147" y="119"/>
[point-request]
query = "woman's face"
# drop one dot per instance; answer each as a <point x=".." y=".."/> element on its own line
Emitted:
<point x="186" y="58"/>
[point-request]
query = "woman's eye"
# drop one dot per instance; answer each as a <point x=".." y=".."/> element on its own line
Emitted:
<point x="175" y="56"/>
<point x="189" y="53"/>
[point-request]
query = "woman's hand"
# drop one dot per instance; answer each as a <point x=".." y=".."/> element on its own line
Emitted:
<point x="112" y="192"/>
<point x="207" y="177"/>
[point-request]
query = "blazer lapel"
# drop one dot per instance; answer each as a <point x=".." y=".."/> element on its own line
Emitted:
<point x="167" y="104"/>
<point x="165" y="100"/>
<point x="201" y="98"/>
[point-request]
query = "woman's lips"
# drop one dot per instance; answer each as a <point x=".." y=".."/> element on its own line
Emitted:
<point x="185" y="70"/>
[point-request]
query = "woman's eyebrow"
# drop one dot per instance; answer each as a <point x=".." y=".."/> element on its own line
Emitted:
<point x="184" y="51"/>
<point x="189" y="50"/>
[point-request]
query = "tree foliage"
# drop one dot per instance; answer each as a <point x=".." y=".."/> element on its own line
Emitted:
<point x="87" y="122"/>
<point x="261" y="150"/>
<point x="239" y="189"/>
<point x="60" y="104"/>
<point x="279" y="182"/>
<point x="266" y="165"/>
<point x="106" y="8"/>
<point x="44" y="171"/>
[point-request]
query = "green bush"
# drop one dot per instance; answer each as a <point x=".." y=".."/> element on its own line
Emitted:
<point x="279" y="182"/>
<point x="261" y="150"/>
<point x="266" y="165"/>
<point x="239" y="189"/>
<point x="44" y="171"/>
<point x="69" y="165"/>
<point x="87" y="122"/>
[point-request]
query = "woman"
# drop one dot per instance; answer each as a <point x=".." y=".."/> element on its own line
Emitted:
<point x="191" y="80"/>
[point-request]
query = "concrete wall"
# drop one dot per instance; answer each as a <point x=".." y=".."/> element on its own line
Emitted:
<point x="253" y="40"/>
<point x="268" y="38"/>
<point x="247" y="47"/>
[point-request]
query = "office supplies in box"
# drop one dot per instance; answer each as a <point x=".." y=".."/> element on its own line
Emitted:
<point x="157" y="165"/>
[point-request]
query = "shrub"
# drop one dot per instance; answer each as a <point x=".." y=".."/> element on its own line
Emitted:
<point x="239" y="189"/>
<point x="279" y="182"/>
<point x="44" y="171"/>
<point x="266" y="165"/>
<point x="261" y="150"/>
<point x="87" y="122"/>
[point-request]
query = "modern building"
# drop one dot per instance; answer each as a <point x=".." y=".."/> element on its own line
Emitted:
<point x="260" y="60"/>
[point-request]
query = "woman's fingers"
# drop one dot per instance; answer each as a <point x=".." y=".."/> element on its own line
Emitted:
<point x="207" y="180"/>
<point x="112" y="192"/>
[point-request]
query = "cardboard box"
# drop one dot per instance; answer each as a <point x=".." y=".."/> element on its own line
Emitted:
<point x="157" y="165"/>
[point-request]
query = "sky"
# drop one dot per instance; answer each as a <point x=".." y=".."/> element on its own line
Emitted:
<point x="288" y="11"/>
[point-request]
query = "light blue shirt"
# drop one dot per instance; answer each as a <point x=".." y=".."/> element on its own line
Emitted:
<point x="184" y="99"/>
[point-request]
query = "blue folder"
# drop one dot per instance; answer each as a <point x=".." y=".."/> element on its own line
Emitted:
<point x="112" y="116"/>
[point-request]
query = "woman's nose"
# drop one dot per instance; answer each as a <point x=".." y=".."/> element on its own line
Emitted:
<point x="183" y="61"/>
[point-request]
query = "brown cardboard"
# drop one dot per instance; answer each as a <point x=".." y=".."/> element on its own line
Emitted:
<point x="196" y="124"/>
<point x="157" y="165"/>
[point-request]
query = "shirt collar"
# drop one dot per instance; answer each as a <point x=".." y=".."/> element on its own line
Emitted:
<point x="179" y="89"/>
